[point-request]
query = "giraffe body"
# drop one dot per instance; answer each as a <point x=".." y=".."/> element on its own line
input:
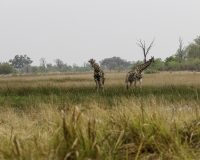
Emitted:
<point x="136" y="74"/>
<point x="99" y="76"/>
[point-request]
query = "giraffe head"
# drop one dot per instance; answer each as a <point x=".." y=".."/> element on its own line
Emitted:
<point x="92" y="61"/>
<point x="152" y="59"/>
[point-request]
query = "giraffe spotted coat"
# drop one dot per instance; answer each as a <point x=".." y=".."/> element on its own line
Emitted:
<point x="136" y="73"/>
<point x="99" y="76"/>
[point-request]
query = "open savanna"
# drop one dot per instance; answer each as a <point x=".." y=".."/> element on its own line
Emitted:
<point x="62" y="116"/>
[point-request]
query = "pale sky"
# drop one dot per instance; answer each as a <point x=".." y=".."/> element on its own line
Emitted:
<point x="78" y="30"/>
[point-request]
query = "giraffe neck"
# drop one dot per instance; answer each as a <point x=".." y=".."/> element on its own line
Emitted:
<point x="96" y="67"/>
<point x="143" y="66"/>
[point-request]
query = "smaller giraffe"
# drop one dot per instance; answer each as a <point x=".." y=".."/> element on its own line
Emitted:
<point x="99" y="76"/>
<point x="136" y="73"/>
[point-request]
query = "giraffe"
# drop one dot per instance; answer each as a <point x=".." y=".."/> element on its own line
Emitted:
<point x="136" y="73"/>
<point x="99" y="76"/>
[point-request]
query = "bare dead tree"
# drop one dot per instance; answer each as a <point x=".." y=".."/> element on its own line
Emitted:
<point x="59" y="63"/>
<point x="143" y="47"/>
<point x="181" y="52"/>
<point x="43" y="62"/>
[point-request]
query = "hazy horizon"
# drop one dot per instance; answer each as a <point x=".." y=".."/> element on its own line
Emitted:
<point x="76" y="31"/>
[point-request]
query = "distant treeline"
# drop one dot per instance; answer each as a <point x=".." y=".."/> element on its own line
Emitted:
<point x="185" y="58"/>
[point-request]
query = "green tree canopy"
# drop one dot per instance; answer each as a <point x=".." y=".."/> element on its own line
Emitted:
<point x="6" y="68"/>
<point x="114" y="63"/>
<point x="181" y="52"/>
<point x="197" y="40"/>
<point x="19" y="61"/>
<point x="170" y="59"/>
<point x="193" y="49"/>
<point x="59" y="63"/>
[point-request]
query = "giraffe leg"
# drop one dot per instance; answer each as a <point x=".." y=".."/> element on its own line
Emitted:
<point x="141" y="83"/>
<point x="126" y="84"/>
<point x="131" y="83"/>
<point x="103" y="78"/>
<point x="96" y="84"/>
<point x="99" y="84"/>
<point x="102" y="87"/>
<point x="135" y="84"/>
<point x="102" y="83"/>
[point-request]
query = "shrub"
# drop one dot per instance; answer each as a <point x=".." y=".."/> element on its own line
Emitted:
<point x="6" y="68"/>
<point x="150" y="71"/>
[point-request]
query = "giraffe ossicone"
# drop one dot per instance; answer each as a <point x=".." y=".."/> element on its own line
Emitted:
<point x="99" y="76"/>
<point x="136" y="73"/>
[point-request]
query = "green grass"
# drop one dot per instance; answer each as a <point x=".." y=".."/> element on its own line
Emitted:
<point x="33" y="96"/>
<point x="49" y="119"/>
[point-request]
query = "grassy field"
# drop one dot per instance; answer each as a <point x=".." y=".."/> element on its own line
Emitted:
<point x="63" y="117"/>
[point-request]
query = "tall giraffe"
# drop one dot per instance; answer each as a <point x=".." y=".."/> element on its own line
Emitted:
<point x="99" y="76"/>
<point x="136" y="73"/>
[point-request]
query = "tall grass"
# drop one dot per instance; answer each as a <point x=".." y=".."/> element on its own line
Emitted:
<point x="63" y="117"/>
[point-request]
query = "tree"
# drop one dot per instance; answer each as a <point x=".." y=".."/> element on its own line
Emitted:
<point x="173" y="66"/>
<point x="181" y="52"/>
<point x="197" y="40"/>
<point x="87" y="65"/>
<point x="170" y="59"/>
<point x="66" y="68"/>
<point x="43" y="63"/>
<point x="49" y="65"/>
<point x="34" y="69"/>
<point x="114" y="63"/>
<point x="6" y="68"/>
<point x="193" y="49"/>
<point x="143" y="47"/>
<point x="20" y="61"/>
<point x="59" y="63"/>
